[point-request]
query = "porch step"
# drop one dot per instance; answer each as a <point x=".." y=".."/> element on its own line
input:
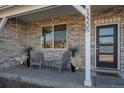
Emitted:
<point x="121" y="74"/>
<point x="108" y="72"/>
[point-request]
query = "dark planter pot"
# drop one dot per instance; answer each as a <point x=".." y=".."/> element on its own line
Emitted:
<point x="72" y="68"/>
<point x="28" y="62"/>
<point x="28" y="59"/>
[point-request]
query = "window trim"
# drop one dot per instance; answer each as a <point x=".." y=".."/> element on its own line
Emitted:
<point x="53" y="37"/>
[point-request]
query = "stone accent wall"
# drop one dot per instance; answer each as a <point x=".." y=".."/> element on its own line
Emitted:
<point x="30" y="33"/>
<point x="75" y="35"/>
<point x="12" y="39"/>
<point x="76" y="32"/>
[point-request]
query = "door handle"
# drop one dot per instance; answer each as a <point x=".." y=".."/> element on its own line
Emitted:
<point x="97" y="49"/>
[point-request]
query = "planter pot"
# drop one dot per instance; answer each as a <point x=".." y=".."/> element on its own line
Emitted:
<point x="28" y="62"/>
<point x="72" y="68"/>
<point x="28" y="59"/>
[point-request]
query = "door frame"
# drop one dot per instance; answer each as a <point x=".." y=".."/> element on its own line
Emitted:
<point x="118" y="42"/>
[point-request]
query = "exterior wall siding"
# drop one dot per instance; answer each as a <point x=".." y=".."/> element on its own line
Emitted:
<point x="74" y="37"/>
<point x="12" y="40"/>
<point x="30" y="35"/>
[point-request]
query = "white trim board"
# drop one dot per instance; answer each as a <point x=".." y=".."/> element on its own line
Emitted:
<point x="80" y="9"/>
<point x="3" y="23"/>
<point x="118" y="42"/>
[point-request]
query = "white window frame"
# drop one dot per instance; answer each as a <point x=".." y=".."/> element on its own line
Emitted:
<point x="53" y="37"/>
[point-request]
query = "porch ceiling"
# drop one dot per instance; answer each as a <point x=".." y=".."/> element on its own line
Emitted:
<point x="59" y="11"/>
<point x="54" y="12"/>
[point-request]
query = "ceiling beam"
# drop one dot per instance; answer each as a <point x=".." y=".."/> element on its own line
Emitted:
<point x="80" y="9"/>
<point x="2" y="23"/>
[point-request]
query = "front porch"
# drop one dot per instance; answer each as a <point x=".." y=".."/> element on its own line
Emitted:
<point x="52" y="78"/>
<point x="26" y="30"/>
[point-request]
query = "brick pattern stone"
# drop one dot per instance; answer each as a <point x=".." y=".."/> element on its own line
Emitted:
<point x="75" y="35"/>
<point x="13" y="39"/>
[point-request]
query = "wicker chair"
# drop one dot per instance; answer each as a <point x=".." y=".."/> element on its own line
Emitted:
<point x="37" y="59"/>
<point x="62" y="62"/>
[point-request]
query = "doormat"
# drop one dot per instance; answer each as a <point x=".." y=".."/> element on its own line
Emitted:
<point x="107" y="74"/>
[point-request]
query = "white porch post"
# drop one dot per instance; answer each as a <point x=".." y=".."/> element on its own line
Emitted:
<point x="86" y="12"/>
<point x="87" y="81"/>
<point x="2" y="23"/>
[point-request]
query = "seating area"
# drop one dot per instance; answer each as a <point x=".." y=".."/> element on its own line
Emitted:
<point x="38" y="59"/>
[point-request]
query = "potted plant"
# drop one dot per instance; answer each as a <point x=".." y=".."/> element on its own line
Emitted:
<point x="27" y="51"/>
<point x="73" y="52"/>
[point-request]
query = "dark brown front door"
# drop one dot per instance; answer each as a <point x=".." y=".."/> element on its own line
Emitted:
<point x="106" y="46"/>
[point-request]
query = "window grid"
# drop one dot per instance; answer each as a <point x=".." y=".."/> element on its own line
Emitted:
<point x="53" y="38"/>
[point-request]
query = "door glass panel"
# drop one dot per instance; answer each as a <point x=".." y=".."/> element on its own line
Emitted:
<point x="106" y="40"/>
<point x="106" y="49"/>
<point x="106" y="58"/>
<point x="106" y="31"/>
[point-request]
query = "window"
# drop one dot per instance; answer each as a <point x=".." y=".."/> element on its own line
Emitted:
<point x="60" y="36"/>
<point x="47" y="36"/>
<point x="54" y="36"/>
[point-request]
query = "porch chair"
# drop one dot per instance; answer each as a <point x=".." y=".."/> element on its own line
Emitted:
<point x="37" y="59"/>
<point x="62" y="61"/>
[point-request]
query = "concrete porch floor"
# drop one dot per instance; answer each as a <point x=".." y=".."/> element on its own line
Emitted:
<point x="52" y="78"/>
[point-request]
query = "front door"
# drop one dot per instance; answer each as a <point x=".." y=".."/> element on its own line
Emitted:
<point x="106" y="46"/>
